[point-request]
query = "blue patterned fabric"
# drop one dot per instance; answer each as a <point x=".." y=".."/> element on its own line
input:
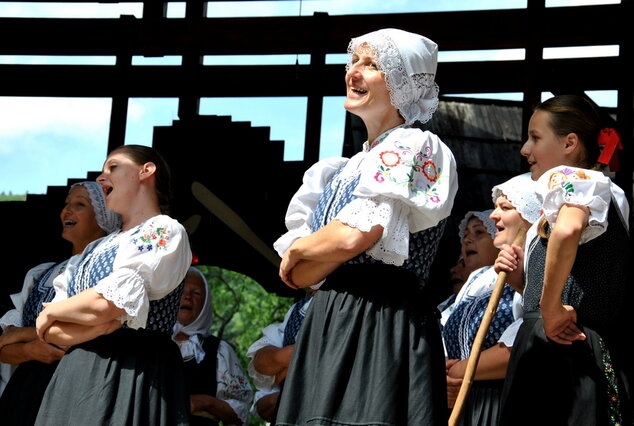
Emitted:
<point x="40" y="293"/>
<point x="96" y="266"/>
<point x="294" y="322"/>
<point x="423" y="245"/>
<point x="462" y="326"/>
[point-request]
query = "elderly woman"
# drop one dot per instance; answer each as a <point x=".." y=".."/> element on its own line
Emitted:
<point x="369" y="350"/>
<point x="516" y="206"/>
<point x="218" y="388"/>
<point x="84" y="218"/>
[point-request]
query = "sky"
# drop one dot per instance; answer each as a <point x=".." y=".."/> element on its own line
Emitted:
<point x="45" y="141"/>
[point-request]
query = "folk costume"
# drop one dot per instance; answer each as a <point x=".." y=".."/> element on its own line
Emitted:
<point x="369" y="350"/>
<point x="133" y="375"/>
<point x="587" y="382"/>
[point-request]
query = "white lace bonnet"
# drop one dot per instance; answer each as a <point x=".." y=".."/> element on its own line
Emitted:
<point x="409" y="62"/>
<point x="521" y="192"/>
<point x="107" y="220"/>
<point x="483" y="216"/>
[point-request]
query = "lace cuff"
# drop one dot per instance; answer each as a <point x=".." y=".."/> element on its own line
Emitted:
<point x="125" y="288"/>
<point x="11" y="318"/>
<point x="364" y="213"/>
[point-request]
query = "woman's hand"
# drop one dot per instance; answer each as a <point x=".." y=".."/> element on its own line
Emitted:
<point x="511" y="260"/>
<point x="453" y="383"/>
<point x="560" y="324"/>
<point x="286" y="266"/>
<point x="44" y="352"/>
<point x="45" y="320"/>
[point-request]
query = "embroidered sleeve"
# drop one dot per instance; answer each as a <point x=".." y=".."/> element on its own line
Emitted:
<point x="416" y="169"/>
<point x="233" y="385"/>
<point x="300" y="209"/>
<point x="259" y="394"/>
<point x="151" y="262"/>
<point x="574" y="186"/>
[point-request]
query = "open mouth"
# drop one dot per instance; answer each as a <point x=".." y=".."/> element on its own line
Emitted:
<point x="106" y="189"/>
<point x="470" y="252"/>
<point x="358" y="90"/>
<point x="186" y="307"/>
<point x="69" y="222"/>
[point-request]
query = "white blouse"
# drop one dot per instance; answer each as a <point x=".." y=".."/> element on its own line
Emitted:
<point x="151" y="261"/>
<point x="233" y="385"/>
<point x="581" y="187"/>
<point x="407" y="184"/>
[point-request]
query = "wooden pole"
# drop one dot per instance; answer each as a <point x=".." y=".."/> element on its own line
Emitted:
<point x="474" y="356"/>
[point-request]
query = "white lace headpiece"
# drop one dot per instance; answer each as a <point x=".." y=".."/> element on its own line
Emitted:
<point x="107" y="220"/>
<point x="483" y="216"/>
<point x="521" y="192"/>
<point x="409" y="62"/>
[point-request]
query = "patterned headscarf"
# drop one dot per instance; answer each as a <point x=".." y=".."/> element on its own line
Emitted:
<point x="409" y="63"/>
<point x="107" y="220"/>
<point x="199" y="328"/>
<point x="521" y="192"/>
<point x="484" y="217"/>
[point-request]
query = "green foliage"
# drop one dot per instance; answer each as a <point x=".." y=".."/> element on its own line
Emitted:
<point x="241" y="309"/>
<point x="4" y="197"/>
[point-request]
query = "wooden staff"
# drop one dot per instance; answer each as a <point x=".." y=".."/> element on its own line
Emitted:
<point x="474" y="357"/>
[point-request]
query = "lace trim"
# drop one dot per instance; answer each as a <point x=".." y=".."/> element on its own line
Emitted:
<point x="365" y="213"/>
<point x="415" y="96"/>
<point x="128" y="294"/>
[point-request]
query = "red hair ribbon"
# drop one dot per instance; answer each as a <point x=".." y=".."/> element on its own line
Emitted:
<point x="610" y="140"/>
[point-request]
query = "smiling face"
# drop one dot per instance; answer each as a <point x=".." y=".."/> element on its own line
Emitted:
<point x="79" y="225"/>
<point x="477" y="246"/>
<point x="367" y="95"/>
<point x="120" y="179"/>
<point x="192" y="299"/>
<point x="544" y="149"/>
<point x="508" y="221"/>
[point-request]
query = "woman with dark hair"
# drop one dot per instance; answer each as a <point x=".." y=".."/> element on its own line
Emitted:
<point x="369" y="350"/>
<point x="134" y="277"/>
<point x="569" y="364"/>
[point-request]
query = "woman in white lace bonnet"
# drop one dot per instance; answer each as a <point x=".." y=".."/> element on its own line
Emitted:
<point x="516" y="205"/>
<point x="367" y="230"/>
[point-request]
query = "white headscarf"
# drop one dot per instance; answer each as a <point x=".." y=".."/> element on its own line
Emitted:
<point x="409" y="63"/>
<point x="107" y="220"/>
<point x="521" y="192"/>
<point x="198" y="329"/>
<point x="483" y="216"/>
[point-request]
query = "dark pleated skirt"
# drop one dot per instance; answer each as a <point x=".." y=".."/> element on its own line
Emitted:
<point x="23" y="394"/>
<point x="369" y="353"/>
<point x="482" y="407"/>
<point x="129" y="377"/>
<point x="552" y="384"/>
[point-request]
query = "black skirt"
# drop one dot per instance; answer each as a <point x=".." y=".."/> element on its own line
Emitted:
<point x="549" y="383"/>
<point x="369" y="352"/>
<point x="22" y="396"/>
<point x="129" y="377"/>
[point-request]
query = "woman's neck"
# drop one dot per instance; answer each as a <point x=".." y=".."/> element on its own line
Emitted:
<point x="377" y="128"/>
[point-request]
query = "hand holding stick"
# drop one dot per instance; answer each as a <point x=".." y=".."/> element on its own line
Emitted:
<point x="474" y="357"/>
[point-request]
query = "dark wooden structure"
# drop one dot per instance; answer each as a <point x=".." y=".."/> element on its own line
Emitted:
<point x="486" y="141"/>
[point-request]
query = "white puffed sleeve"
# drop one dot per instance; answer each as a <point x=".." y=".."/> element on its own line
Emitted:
<point x="272" y="335"/>
<point x="580" y="187"/>
<point x="13" y="317"/>
<point x="151" y="261"/>
<point x="233" y="385"/>
<point x="408" y="183"/>
<point x="300" y="210"/>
